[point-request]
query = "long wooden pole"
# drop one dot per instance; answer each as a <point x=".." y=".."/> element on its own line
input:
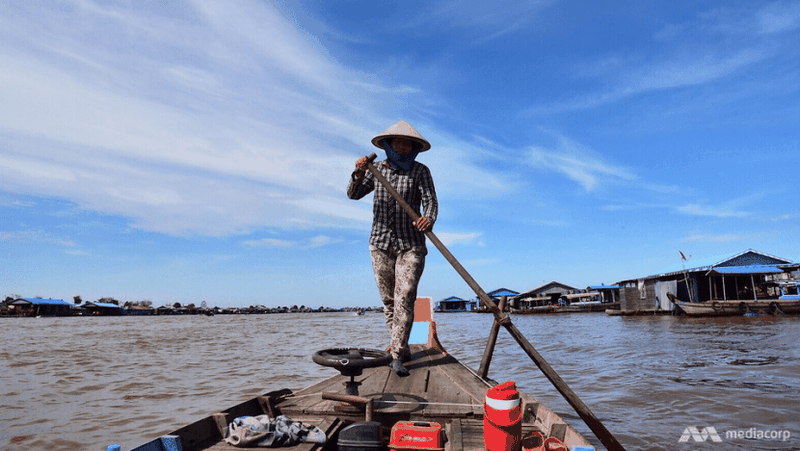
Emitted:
<point x="483" y="370"/>
<point x="599" y="430"/>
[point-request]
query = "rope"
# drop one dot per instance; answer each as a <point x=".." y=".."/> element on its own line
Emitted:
<point x="458" y="385"/>
<point x="377" y="400"/>
<point x="429" y="403"/>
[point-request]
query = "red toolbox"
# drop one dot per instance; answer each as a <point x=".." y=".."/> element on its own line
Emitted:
<point x="416" y="435"/>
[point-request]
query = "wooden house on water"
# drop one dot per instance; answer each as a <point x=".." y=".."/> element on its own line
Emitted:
<point x="454" y="304"/>
<point x="496" y="295"/>
<point x="744" y="277"/>
<point x="101" y="309"/>
<point x="608" y="294"/>
<point x="541" y="298"/>
<point x="38" y="307"/>
<point x="596" y="298"/>
<point x="138" y="310"/>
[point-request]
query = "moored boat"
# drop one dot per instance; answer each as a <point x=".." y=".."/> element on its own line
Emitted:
<point x="368" y="396"/>
<point x="734" y="308"/>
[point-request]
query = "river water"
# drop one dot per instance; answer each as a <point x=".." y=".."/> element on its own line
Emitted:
<point x="84" y="383"/>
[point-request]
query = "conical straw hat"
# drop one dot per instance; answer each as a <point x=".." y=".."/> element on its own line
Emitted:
<point x="401" y="129"/>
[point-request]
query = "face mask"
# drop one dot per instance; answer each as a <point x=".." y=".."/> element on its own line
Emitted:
<point x="397" y="161"/>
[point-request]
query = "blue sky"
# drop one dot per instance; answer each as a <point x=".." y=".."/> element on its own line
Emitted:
<point x="181" y="151"/>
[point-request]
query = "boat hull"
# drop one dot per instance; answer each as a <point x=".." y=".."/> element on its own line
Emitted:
<point x="735" y="308"/>
<point x="440" y="389"/>
<point x="584" y="307"/>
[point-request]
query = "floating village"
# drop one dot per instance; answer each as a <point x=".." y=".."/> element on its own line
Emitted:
<point x="440" y="404"/>
<point x="747" y="283"/>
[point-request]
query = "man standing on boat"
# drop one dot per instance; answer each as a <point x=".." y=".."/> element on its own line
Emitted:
<point x="397" y="243"/>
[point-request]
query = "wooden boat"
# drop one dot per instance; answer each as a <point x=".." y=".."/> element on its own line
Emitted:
<point x="539" y="309"/>
<point x="735" y="308"/>
<point x="439" y="390"/>
<point x="575" y="307"/>
<point x="585" y="307"/>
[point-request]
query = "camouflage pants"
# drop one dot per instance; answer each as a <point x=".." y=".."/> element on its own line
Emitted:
<point x="397" y="275"/>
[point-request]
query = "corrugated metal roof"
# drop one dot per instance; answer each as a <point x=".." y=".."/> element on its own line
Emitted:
<point x="102" y="304"/>
<point x="604" y="287"/>
<point x="702" y="264"/>
<point x="451" y="298"/>
<point x="708" y="264"/>
<point x="751" y="269"/>
<point x="502" y="292"/>
<point x="38" y="301"/>
<point x="545" y="287"/>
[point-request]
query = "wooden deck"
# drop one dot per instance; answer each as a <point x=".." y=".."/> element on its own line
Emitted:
<point x="439" y="389"/>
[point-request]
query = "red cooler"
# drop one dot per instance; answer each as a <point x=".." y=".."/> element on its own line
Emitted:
<point x="502" y="418"/>
<point x="416" y="435"/>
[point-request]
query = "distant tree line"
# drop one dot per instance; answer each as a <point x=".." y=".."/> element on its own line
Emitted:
<point x="256" y="308"/>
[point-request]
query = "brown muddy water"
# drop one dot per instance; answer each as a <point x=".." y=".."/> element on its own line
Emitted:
<point x="85" y="383"/>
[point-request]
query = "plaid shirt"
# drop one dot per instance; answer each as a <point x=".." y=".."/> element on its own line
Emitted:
<point x="392" y="227"/>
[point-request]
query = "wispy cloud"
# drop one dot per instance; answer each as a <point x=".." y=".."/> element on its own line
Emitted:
<point x="269" y="243"/>
<point x="688" y="70"/>
<point x="712" y="46"/>
<point x="309" y="243"/>
<point x="784" y="217"/>
<point x="633" y="206"/>
<point x="454" y="238"/>
<point x="627" y="77"/>
<point x="779" y="17"/>
<point x="321" y="240"/>
<point x="36" y="236"/>
<point x="550" y="222"/>
<point x="487" y="20"/>
<point x="233" y="120"/>
<point x="713" y="211"/>
<point x="739" y="207"/>
<point x="9" y="201"/>
<point x="711" y="238"/>
<point x="578" y="163"/>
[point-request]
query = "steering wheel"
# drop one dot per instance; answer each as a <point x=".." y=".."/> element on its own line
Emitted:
<point x="351" y="361"/>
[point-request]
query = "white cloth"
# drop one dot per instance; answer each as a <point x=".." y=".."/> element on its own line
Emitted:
<point x="261" y="431"/>
<point x="662" y="288"/>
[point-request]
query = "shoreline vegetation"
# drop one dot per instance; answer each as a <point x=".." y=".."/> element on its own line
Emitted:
<point x="17" y="306"/>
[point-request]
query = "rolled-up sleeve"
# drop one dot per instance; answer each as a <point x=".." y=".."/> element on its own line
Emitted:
<point x="430" y="205"/>
<point x="360" y="187"/>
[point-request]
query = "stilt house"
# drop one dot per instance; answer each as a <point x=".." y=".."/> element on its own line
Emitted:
<point x="541" y="296"/>
<point x="744" y="276"/>
<point x="454" y="304"/>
